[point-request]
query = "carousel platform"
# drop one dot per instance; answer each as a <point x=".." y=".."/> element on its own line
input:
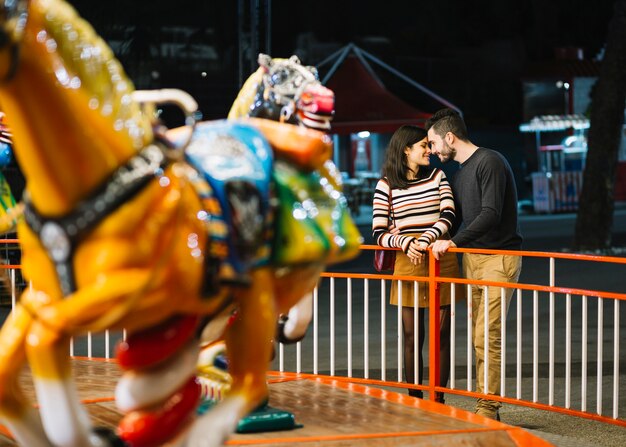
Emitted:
<point x="332" y="413"/>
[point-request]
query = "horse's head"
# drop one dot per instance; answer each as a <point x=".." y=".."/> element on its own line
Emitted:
<point x="287" y="91"/>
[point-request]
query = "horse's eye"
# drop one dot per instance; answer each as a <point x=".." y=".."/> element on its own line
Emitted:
<point x="279" y="77"/>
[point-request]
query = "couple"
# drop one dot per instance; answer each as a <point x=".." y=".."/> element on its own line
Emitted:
<point x="422" y="207"/>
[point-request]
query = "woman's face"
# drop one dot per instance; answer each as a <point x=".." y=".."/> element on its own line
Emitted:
<point x="418" y="154"/>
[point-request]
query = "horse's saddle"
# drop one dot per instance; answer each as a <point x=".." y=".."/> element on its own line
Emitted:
<point x="273" y="190"/>
<point x="236" y="162"/>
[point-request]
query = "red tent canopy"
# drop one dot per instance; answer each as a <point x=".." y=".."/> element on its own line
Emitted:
<point x="363" y="103"/>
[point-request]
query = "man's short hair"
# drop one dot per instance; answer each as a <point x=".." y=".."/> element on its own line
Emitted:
<point x="448" y="120"/>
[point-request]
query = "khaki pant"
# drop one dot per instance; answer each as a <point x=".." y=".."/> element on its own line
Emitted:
<point x="449" y="268"/>
<point x="498" y="268"/>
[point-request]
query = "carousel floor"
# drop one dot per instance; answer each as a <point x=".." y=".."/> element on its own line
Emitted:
<point x="332" y="413"/>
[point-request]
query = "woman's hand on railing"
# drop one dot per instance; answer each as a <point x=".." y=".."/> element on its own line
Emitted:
<point x="394" y="230"/>
<point x="417" y="251"/>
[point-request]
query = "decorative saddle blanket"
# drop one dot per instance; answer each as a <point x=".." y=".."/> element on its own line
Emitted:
<point x="277" y="192"/>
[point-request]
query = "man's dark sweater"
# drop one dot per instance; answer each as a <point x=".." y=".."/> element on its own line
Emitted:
<point x="486" y="199"/>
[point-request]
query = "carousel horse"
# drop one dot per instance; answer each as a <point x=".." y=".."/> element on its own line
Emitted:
<point x="130" y="226"/>
<point x="285" y="91"/>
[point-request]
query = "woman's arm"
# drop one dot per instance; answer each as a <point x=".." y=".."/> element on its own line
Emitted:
<point x="447" y="214"/>
<point x="381" y="221"/>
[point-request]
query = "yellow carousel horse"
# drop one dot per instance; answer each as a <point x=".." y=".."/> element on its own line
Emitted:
<point x="122" y="230"/>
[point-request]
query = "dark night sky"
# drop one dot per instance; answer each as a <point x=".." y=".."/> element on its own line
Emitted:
<point x="472" y="53"/>
<point x="429" y="27"/>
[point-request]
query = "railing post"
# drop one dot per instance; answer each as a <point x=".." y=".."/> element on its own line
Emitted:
<point x="433" y="324"/>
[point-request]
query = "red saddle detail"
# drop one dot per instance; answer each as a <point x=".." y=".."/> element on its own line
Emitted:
<point x="150" y="347"/>
<point x="153" y="428"/>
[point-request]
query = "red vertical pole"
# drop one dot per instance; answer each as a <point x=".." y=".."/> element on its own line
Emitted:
<point x="433" y="325"/>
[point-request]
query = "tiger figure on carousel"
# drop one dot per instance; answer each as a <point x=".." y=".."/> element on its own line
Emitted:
<point x="129" y="225"/>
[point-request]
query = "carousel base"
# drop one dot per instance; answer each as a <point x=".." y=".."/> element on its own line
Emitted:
<point x="263" y="419"/>
<point x="333" y="414"/>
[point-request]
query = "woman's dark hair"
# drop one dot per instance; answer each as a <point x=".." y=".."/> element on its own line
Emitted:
<point x="395" y="166"/>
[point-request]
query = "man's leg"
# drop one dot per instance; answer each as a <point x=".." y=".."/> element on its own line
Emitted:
<point x="501" y="269"/>
<point x="472" y="269"/>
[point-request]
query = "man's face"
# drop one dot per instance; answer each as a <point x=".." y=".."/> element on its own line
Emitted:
<point x="439" y="147"/>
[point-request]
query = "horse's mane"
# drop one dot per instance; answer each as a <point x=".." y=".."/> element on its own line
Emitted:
<point x="241" y="106"/>
<point x="90" y="63"/>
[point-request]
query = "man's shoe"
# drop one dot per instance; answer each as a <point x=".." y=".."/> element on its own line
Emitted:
<point x="488" y="412"/>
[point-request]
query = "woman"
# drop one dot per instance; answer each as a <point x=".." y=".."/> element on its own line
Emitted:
<point x="422" y="211"/>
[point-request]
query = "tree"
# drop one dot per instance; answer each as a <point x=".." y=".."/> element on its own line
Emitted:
<point x="597" y="203"/>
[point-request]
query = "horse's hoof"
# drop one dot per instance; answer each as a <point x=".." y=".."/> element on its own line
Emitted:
<point x="107" y="435"/>
<point x="280" y="332"/>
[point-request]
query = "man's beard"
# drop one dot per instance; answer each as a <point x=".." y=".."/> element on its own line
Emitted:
<point x="448" y="153"/>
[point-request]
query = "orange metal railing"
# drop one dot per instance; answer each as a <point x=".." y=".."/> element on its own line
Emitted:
<point x="434" y="280"/>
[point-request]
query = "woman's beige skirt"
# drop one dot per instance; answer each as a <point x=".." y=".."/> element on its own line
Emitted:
<point x="449" y="267"/>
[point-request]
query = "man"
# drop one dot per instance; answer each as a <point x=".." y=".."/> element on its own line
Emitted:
<point x="486" y="197"/>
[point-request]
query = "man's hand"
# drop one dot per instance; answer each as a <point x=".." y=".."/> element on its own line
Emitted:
<point x="440" y="247"/>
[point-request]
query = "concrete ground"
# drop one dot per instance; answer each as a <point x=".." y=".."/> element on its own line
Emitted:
<point x="560" y="430"/>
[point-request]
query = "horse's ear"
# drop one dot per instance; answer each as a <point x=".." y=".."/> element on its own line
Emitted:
<point x="313" y="70"/>
<point x="265" y="61"/>
<point x="295" y="59"/>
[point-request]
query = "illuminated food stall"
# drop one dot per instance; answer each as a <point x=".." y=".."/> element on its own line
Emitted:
<point x="558" y="181"/>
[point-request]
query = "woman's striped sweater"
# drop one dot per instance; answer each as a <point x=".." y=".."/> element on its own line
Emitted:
<point x="426" y="206"/>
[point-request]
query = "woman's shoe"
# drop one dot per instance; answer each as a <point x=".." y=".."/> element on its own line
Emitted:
<point x="439" y="398"/>
<point x="416" y="393"/>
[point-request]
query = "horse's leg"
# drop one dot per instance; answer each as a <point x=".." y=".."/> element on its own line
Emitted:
<point x="293" y="325"/>
<point x="294" y="300"/>
<point x="15" y="412"/>
<point x="66" y="422"/>
<point x="291" y="287"/>
<point x="249" y="346"/>
<point x="159" y="400"/>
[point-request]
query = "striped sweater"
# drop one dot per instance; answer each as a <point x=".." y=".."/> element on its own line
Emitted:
<point x="426" y="206"/>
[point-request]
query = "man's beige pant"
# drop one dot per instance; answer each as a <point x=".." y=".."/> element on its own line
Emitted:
<point x="499" y="268"/>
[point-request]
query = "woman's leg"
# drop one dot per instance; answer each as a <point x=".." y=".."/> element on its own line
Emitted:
<point x="444" y="348"/>
<point x="409" y="352"/>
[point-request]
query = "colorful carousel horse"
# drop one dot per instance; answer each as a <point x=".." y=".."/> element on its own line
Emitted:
<point x="283" y="91"/>
<point x="123" y="229"/>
